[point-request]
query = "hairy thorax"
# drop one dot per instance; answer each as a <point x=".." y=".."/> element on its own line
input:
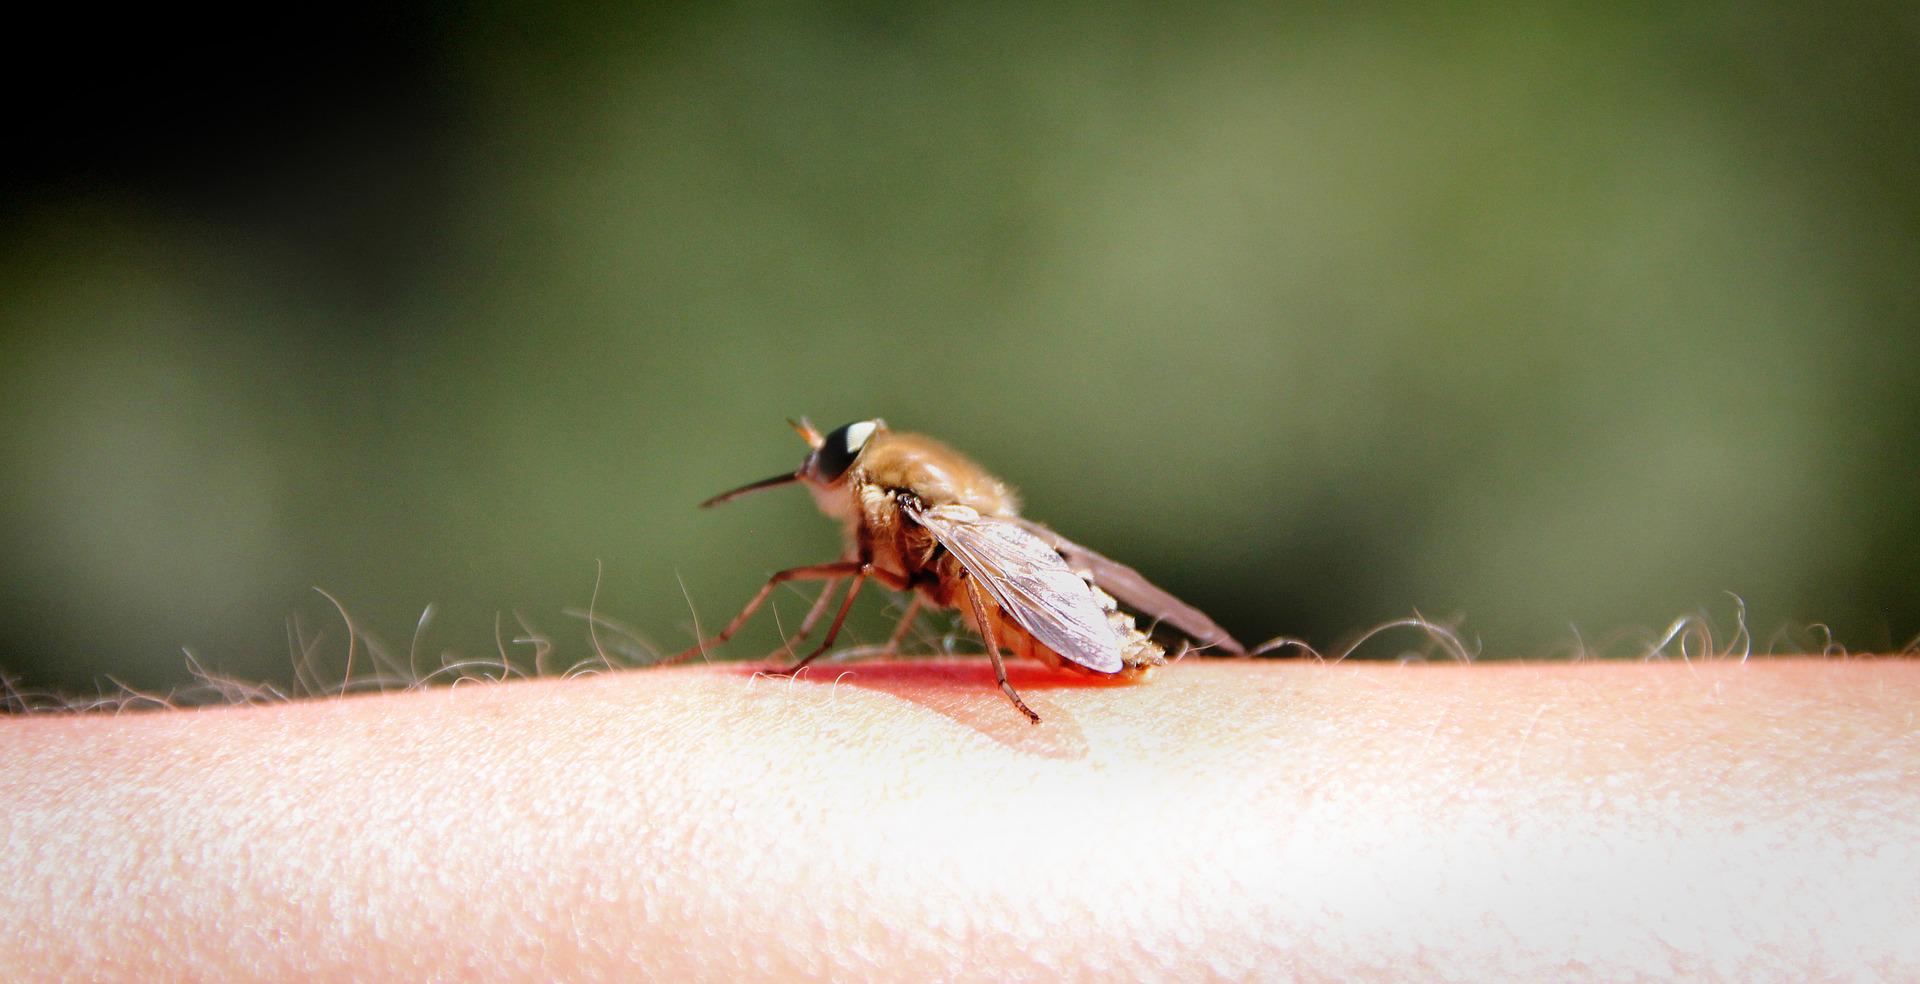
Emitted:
<point x="935" y="473"/>
<point x="867" y="502"/>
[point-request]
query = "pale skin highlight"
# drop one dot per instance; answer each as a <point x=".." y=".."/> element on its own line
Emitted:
<point x="887" y="820"/>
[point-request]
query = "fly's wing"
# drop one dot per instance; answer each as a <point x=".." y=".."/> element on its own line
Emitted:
<point x="1138" y="593"/>
<point x="1029" y="580"/>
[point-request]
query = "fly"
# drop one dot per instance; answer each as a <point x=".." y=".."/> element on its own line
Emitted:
<point x="922" y="518"/>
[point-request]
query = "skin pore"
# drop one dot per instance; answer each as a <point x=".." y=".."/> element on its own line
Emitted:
<point x="1228" y="818"/>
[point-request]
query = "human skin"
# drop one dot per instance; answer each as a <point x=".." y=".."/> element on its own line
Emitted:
<point x="1227" y="819"/>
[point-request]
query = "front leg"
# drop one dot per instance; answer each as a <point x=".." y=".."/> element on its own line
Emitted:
<point x="812" y="618"/>
<point x="866" y="570"/>
<point x="814" y="572"/>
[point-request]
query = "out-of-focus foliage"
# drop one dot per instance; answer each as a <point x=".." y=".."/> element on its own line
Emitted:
<point x="1544" y="316"/>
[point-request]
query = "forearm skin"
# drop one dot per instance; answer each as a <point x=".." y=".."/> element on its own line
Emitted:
<point x="1233" y="819"/>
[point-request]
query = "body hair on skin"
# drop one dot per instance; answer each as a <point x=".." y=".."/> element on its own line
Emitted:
<point x="368" y="665"/>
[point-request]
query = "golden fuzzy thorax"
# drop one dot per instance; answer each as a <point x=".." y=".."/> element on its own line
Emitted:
<point x="936" y="473"/>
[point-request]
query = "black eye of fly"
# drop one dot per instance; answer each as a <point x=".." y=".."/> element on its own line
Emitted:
<point x="839" y="448"/>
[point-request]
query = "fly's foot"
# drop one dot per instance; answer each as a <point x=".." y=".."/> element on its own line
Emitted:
<point x="1019" y="704"/>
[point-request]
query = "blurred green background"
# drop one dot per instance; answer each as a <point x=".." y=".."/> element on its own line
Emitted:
<point x="1541" y="316"/>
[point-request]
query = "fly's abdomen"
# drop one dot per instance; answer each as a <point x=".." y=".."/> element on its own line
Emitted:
<point x="1139" y="654"/>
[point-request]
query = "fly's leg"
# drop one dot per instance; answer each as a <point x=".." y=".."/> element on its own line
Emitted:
<point x="813" y="618"/>
<point x="833" y="631"/>
<point x="905" y="626"/>
<point x="993" y="650"/>
<point x="861" y="572"/>
<point x="813" y="572"/>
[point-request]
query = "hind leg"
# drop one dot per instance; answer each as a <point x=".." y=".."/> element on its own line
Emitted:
<point x="993" y="651"/>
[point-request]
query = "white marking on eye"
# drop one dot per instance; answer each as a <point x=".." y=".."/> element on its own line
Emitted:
<point x="857" y="435"/>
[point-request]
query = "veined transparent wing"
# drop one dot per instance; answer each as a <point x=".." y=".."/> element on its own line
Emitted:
<point x="1029" y="580"/>
<point x="1134" y="590"/>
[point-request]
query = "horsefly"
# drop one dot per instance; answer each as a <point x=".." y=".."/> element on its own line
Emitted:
<point x="923" y="519"/>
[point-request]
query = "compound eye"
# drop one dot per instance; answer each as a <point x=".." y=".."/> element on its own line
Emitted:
<point x="838" y="450"/>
